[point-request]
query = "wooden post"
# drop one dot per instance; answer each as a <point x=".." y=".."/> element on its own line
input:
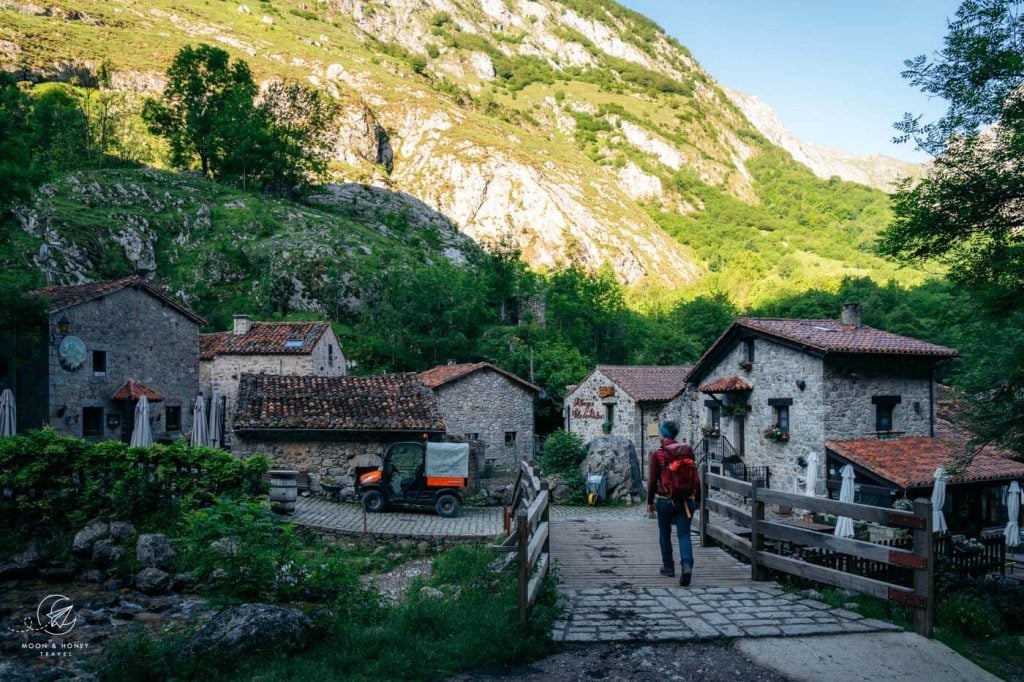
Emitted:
<point x="756" y="539"/>
<point x="545" y="517"/>
<point x="522" y="565"/>
<point x="924" y="579"/>
<point x="705" y="541"/>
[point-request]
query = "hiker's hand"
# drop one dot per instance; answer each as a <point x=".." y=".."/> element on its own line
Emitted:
<point x="650" y="509"/>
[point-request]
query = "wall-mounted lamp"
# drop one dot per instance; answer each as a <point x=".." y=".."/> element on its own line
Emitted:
<point x="63" y="327"/>
<point x="801" y="384"/>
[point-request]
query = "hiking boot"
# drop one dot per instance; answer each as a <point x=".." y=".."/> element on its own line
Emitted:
<point x="684" y="579"/>
<point x="670" y="571"/>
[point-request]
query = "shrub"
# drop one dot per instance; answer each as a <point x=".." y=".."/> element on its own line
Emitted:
<point x="562" y="453"/>
<point x="61" y="482"/>
<point x="973" y="616"/>
<point x="262" y="557"/>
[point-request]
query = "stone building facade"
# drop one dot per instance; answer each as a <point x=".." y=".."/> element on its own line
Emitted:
<point x="776" y="390"/>
<point x="333" y="427"/>
<point x="488" y="405"/>
<point x="284" y="348"/>
<point x="624" y="401"/>
<point x="107" y="344"/>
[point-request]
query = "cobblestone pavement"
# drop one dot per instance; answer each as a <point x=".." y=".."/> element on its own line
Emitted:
<point x="614" y="513"/>
<point x="682" y="614"/>
<point x="346" y="518"/>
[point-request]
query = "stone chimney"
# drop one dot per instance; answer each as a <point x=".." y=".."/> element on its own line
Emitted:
<point x="851" y="314"/>
<point x="243" y="323"/>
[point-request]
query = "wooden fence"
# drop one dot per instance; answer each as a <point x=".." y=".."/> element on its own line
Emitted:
<point x="919" y="560"/>
<point x="528" y="542"/>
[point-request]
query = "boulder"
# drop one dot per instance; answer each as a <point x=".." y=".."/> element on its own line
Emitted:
<point x="154" y="550"/>
<point x="615" y="457"/>
<point x="57" y="574"/>
<point x="93" y="575"/>
<point x="121" y="531"/>
<point x="16" y="570"/>
<point x="87" y="537"/>
<point x="105" y="553"/>
<point x="152" y="580"/>
<point x="184" y="581"/>
<point x="250" y="628"/>
<point x="431" y="593"/>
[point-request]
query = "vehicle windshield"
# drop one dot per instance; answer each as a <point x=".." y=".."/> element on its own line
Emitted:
<point x="406" y="465"/>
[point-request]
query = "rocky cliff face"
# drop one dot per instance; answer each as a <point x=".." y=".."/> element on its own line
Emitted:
<point x="876" y="170"/>
<point x="557" y="126"/>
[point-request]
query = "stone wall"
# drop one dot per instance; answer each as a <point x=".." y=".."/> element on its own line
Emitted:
<point x="327" y="360"/>
<point x="145" y="340"/>
<point x="775" y="374"/>
<point x="337" y="456"/>
<point x="851" y="383"/>
<point x="685" y="410"/>
<point x="489" y="404"/>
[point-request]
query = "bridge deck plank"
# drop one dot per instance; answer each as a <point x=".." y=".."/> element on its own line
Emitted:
<point x="620" y="553"/>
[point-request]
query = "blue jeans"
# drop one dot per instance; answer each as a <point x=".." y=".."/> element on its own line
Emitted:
<point x="669" y="514"/>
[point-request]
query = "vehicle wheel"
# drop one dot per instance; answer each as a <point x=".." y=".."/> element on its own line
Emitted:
<point x="447" y="506"/>
<point x="373" y="501"/>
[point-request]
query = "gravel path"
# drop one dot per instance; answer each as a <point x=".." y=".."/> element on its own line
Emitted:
<point x="708" y="662"/>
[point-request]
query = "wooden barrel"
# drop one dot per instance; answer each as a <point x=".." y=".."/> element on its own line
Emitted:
<point x="284" y="490"/>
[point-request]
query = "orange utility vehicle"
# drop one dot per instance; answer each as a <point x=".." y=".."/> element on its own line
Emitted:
<point x="418" y="474"/>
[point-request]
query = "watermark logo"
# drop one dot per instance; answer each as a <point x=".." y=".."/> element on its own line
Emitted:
<point x="54" y="616"/>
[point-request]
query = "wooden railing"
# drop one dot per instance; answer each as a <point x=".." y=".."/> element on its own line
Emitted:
<point x="920" y="560"/>
<point x="528" y="542"/>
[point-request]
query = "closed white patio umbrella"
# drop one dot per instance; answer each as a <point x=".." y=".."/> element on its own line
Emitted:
<point x="8" y="414"/>
<point x="812" y="475"/>
<point x="142" y="436"/>
<point x="215" y="418"/>
<point x="844" y="526"/>
<point x="938" y="502"/>
<point x="200" y="434"/>
<point x="1012" y="532"/>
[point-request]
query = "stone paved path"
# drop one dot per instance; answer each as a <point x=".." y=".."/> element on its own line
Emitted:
<point x="346" y="518"/>
<point x="688" y="614"/>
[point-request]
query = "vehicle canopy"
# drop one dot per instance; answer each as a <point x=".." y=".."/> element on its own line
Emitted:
<point x="447" y="460"/>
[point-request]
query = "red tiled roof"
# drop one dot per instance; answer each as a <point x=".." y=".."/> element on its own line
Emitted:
<point x="732" y="384"/>
<point x="648" y="383"/>
<point x="831" y="336"/>
<point x="133" y="390"/>
<point x="445" y="374"/>
<point x="386" y="402"/>
<point x="63" y="297"/>
<point x="911" y="462"/>
<point x="264" y="338"/>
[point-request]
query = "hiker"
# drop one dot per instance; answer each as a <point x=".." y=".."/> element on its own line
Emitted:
<point x="673" y="490"/>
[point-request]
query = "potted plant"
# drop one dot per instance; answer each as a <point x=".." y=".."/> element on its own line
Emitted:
<point x="746" y="365"/>
<point x="710" y="430"/>
<point x="777" y="434"/>
<point x="606" y="428"/>
<point x="332" y="487"/>
<point x="736" y="410"/>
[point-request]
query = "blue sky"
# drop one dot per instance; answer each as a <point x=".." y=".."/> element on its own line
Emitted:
<point x="829" y="68"/>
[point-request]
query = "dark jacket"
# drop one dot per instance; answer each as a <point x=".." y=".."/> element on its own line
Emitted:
<point x="670" y="449"/>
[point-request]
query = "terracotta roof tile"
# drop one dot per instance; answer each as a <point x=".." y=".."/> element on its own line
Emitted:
<point x="733" y="384"/>
<point x="264" y="338"/>
<point x="67" y="296"/>
<point x="648" y="383"/>
<point x="133" y="390"/>
<point x="831" y="336"/>
<point x="911" y="462"/>
<point x="386" y="402"/>
<point x="445" y="374"/>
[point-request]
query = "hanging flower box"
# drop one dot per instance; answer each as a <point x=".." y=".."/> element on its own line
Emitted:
<point x="710" y="431"/>
<point x="776" y="434"/>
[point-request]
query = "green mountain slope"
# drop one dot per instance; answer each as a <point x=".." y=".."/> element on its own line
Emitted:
<point x="575" y="130"/>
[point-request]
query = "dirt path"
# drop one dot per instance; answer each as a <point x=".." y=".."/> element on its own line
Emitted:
<point x="682" y="662"/>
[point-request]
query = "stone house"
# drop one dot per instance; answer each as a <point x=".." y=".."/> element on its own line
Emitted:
<point x="285" y="348"/>
<point x="486" y="404"/>
<point x="775" y="390"/>
<point x="332" y="426"/>
<point x="624" y="401"/>
<point x="107" y="344"/>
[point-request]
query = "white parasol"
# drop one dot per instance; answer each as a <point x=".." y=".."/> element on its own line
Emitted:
<point x="844" y="526"/>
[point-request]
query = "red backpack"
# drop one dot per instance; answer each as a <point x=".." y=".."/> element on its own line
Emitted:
<point x="678" y="472"/>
